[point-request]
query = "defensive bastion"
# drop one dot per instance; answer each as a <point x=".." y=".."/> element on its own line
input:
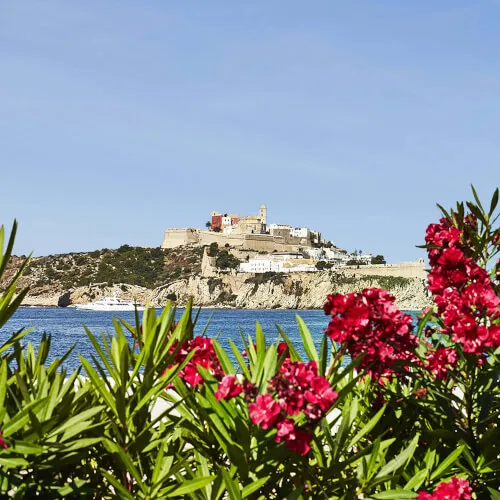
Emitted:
<point x="257" y="242"/>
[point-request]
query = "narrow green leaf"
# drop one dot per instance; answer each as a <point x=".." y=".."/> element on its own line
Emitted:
<point x="416" y="480"/>
<point x="324" y="354"/>
<point x="232" y="486"/>
<point x="307" y="340"/>
<point x="494" y="202"/>
<point x="12" y="463"/>
<point x="476" y="197"/>
<point x="294" y="355"/>
<point x="239" y="358"/>
<point x="191" y="485"/>
<point x="367" y="428"/>
<point x="254" y="486"/>
<point x="399" y="461"/>
<point x="495" y="495"/>
<point x="394" y="495"/>
<point x="223" y="358"/>
<point x="447" y="462"/>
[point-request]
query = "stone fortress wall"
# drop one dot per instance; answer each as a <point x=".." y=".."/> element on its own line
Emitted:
<point x="257" y="242"/>
<point x="413" y="269"/>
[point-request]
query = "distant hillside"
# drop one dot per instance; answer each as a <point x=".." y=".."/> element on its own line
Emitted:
<point x="145" y="267"/>
<point x="154" y="276"/>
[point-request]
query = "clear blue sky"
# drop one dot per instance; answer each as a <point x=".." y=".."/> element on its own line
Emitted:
<point x="119" y="119"/>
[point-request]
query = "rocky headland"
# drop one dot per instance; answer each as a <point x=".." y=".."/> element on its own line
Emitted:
<point x="155" y="276"/>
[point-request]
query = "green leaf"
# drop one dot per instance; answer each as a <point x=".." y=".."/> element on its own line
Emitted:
<point x="232" y="486"/>
<point x="260" y="338"/>
<point x="368" y="427"/>
<point x="294" y="355"/>
<point x="400" y="460"/>
<point x="124" y="493"/>
<point x="394" y="494"/>
<point x="254" y="486"/>
<point x="78" y="423"/>
<point x="476" y="197"/>
<point x="11" y="463"/>
<point x="307" y="340"/>
<point x="495" y="495"/>
<point x="417" y="480"/>
<point x="239" y="358"/>
<point x="447" y="462"/>
<point x="323" y="356"/>
<point x="224" y="360"/>
<point x="19" y="420"/>
<point x="494" y="202"/>
<point x="191" y="485"/>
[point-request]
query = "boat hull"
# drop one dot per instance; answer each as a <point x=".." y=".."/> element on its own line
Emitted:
<point x="91" y="307"/>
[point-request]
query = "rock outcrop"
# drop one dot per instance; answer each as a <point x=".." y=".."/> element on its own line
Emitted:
<point x="63" y="280"/>
<point x="291" y="291"/>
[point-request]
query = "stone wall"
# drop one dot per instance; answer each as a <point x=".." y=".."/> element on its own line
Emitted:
<point x="179" y="237"/>
<point x="257" y="242"/>
<point x="404" y="270"/>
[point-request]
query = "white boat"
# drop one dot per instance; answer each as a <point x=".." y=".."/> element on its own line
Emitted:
<point x="110" y="304"/>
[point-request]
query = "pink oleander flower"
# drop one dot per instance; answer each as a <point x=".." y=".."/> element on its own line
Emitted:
<point x="462" y="289"/>
<point x="228" y="388"/>
<point x="299" y="442"/>
<point x="204" y="356"/>
<point x="368" y="322"/>
<point x="441" y="360"/>
<point x="296" y="390"/>
<point x="3" y="444"/>
<point x="265" y="411"/>
<point x="456" y="489"/>
<point x="285" y="428"/>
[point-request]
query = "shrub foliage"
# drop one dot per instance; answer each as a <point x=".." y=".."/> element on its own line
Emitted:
<point x="383" y="409"/>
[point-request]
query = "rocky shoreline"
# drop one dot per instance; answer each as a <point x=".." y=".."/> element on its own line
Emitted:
<point x="244" y="291"/>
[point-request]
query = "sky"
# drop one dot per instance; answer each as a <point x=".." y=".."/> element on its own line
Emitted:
<point x="120" y="119"/>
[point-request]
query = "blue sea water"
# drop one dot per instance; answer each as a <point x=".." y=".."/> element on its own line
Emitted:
<point x="66" y="326"/>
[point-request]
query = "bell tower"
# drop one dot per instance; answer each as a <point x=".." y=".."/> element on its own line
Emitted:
<point x="263" y="214"/>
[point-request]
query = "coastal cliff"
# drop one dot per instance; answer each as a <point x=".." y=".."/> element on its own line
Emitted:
<point x="152" y="277"/>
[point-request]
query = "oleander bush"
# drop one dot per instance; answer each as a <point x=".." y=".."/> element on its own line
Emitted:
<point x="387" y="408"/>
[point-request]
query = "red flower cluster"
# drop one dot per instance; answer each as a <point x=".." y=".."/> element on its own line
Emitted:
<point x="204" y="356"/>
<point x="369" y="322"/>
<point x="228" y="388"/>
<point x="463" y="290"/>
<point x="456" y="489"/>
<point x="441" y="360"/>
<point x="3" y="444"/>
<point x="296" y="389"/>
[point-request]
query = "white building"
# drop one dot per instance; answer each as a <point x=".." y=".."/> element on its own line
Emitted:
<point x="278" y="263"/>
<point x="300" y="232"/>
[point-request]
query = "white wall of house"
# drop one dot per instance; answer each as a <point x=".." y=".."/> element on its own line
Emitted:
<point x="301" y="232"/>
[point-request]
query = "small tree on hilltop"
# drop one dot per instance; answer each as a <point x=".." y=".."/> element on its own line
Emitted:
<point x="378" y="259"/>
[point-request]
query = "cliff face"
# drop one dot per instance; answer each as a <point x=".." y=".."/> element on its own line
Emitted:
<point x="292" y="291"/>
<point x="63" y="280"/>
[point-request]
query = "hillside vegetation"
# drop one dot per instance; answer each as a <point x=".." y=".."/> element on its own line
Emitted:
<point x="146" y="267"/>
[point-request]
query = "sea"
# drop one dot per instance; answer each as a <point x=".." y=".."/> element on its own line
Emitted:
<point x="66" y="325"/>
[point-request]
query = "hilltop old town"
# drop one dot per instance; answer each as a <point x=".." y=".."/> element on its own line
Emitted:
<point x="263" y="247"/>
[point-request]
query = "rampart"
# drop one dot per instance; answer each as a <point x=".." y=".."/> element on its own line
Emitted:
<point x="179" y="237"/>
<point x="414" y="269"/>
<point x="257" y="242"/>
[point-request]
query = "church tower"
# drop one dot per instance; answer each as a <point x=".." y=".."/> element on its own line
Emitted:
<point x="263" y="214"/>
